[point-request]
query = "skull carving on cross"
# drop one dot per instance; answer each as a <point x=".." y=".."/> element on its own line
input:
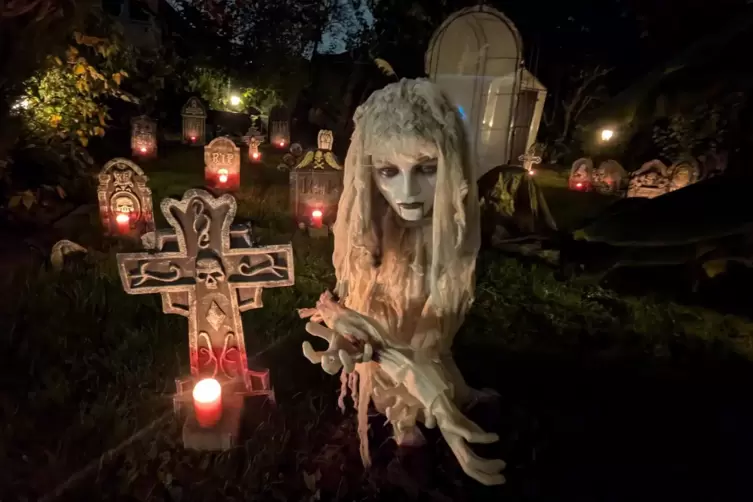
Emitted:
<point x="210" y="272"/>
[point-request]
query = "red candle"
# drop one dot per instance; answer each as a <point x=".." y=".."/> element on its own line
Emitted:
<point x="124" y="222"/>
<point x="255" y="155"/>
<point x="316" y="218"/>
<point x="222" y="175"/>
<point x="143" y="149"/>
<point x="193" y="138"/>
<point x="579" y="185"/>
<point x="282" y="143"/>
<point x="207" y="401"/>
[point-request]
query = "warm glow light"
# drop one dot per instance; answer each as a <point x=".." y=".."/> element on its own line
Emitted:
<point x="578" y="185"/>
<point x="606" y="134"/>
<point x="531" y="172"/>
<point x="235" y="100"/>
<point x="316" y="213"/>
<point x="223" y="175"/>
<point x="193" y="138"/>
<point x="122" y="218"/>
<point x="282" y="143"/>
<point x="143" y="149"/>
<point x="207" y="390"/>
<point x="255" y="155"/>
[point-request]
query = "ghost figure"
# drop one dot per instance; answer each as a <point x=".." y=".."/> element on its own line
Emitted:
<point x="124" y="205"/>
<point x="407" y="235"/>
<point x="210" y="272"/>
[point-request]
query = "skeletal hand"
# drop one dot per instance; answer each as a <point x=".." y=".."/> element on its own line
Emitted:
<point x="343" y="351"/>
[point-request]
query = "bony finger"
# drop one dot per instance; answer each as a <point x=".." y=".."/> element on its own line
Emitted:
<point x="368" y="352"/>
<point x="310" y="353"/>
<point x="347" y="361"/>
<point x="319" y="331"/>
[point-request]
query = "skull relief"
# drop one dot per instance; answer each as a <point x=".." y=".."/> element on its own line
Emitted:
<point x="124" y="205"/>
<point x="209" y="271"/>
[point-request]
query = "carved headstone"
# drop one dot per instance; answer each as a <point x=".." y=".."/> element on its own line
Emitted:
<point x="194" y="122"/>
<point x="651" y="180"/>
<point x="254" y="155"/>
<point x="529" y="159"/>
<point x="209" y="271"/>
<point x="125" y="200"/>
<point x="581" y="174"/>
<point x="609" y="177"/>
<point x="143" y="137"/>
<point x="222" y="164"/>
<point x="316" y="182"/>
<point x="280" y="133"/>
<point x="683" y="174"/>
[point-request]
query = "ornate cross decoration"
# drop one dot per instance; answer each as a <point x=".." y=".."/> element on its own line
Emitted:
<point x="208" y="270"/>
<point x="529" y="159"/>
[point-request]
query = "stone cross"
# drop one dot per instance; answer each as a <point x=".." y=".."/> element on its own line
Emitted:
<point x="529" y="159"/>
<point x="208" y="270"/>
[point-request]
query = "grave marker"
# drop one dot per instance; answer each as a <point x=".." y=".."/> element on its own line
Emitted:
<point x="222" y="164"/>
<point x="125" y="200"/>
<point x="208" y="270"/>
<point x="143" y="137"/>
<point x="194" y="122"/>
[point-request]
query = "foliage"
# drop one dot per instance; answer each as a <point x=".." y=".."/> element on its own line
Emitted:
<point x="261" y="99"/>
<point x="211" y="84"/>
<point x="700" y="129"/>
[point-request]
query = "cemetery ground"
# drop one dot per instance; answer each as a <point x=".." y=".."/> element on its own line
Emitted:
<point x="602" y="396"/>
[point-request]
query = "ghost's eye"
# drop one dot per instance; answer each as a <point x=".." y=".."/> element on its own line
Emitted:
<point x="388" y="171"/>
<point x="428" y="168"/>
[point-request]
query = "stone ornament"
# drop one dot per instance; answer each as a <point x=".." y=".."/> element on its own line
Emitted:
<point x="222" y="164"/>
<point x="404" y="287"/>
<point x="609" y="177"/>
<point x="682" y="174"/>
<point x="316" y="182"/>
<point x="194" y="122"/>
<point x="125" y="200"/>
<point x="209" y="271"/>
<point x="529" y="159"/>
<point x="143" y="137"/>
<point x="581" y="174"/>
<point x="651" y="180"/>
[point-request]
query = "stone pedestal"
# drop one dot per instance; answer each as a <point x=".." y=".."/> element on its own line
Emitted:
<point x="320" y="232"/>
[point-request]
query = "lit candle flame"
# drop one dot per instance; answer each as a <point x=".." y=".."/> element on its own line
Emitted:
<point x="316" y="213"/>
<point x="207" y="390"/>
<point x="255" y="155"/>
<point x="223" y="176"/>
<point x="143" y="149"/>
<point x="578" y="185"/>
<point x="122" y="218"/>
<point x="193" y="138"/>
<point x="282" y="143"/>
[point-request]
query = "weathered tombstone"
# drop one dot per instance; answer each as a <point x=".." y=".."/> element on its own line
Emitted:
<point x="143" y="137"/>
<point x="208" y="270"/>
<point x="279" y="127"/>
<point x="529" y="159"/>
<point x="254" y="155"/>
<point x="222" y="164"/>
<point x="581" y="174"/>
<point x="609" y="177"/>
<point x="194" y="122"/>
<point x="651" y="180"/>
<point x="682" y="174"/>
<point x="316" y="184"/>
<point x="125" y="200"/>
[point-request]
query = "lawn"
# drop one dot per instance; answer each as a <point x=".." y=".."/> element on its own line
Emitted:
<point x="603" y="397"/>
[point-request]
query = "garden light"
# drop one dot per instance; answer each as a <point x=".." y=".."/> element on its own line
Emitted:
<point x="207" y="400"/>
<point x="235" y="100"/>
<point x="606" y="134"/>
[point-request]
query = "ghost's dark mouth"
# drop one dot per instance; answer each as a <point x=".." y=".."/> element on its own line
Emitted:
<point x="411" y="205"/>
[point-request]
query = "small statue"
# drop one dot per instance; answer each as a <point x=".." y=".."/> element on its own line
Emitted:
<point x="407" y="235"/>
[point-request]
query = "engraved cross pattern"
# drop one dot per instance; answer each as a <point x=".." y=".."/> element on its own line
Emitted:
<point x="208" y="270"/>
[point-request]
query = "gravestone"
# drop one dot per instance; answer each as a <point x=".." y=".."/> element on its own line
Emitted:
<point x="254" y="155"/>
<point x="143" y="137"/>
<point x="581" y="175"/>
<point x="194" y="122"/>
<point x="125" y="200"/>
<point x="529" y="159"/>
<point x="316" y="183"/>
<point x="682" y="174"/>
<point x="279" y="127"/>
<point x="651" y="180"/>
<point x="222" y="164"/>
<point x="610" y="177"/>
<point x="209" y="271"/>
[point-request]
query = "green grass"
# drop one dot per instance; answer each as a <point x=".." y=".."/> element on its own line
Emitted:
<point x="101" y="365"/>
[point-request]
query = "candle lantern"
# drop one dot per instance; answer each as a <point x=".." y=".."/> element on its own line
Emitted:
<point x="194" y="122"/>
<point x="253" y="149"/>
<point x="315" y="186"/>
<point x="125" y="200"/>
<point x="222" y="164"/>
<point x="143" y="137"/>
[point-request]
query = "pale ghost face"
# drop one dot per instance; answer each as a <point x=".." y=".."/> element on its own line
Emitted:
<point x="407" y="178"/>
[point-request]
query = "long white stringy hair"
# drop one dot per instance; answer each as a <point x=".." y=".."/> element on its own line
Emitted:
<point x="373" y="252"/>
